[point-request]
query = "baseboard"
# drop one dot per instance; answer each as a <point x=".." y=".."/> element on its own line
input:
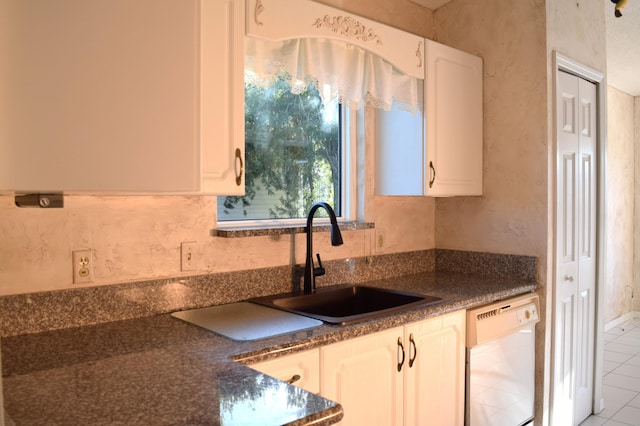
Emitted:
<point x="624" y="318"/>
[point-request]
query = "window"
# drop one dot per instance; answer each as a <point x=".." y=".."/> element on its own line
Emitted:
<point x="296" y="92"/>
<point x="293" y="155"/>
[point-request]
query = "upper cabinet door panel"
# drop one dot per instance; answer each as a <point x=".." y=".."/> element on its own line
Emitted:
<point x="284" y="19"/>
<point x="99" y="95"/>
<point x="222" y="102"/>
<point x="453" y="94"/>
<point x="447" y="140"/>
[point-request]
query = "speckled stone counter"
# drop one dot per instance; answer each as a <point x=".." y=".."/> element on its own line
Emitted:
<point x="157" y="370"/>
<point x="80" y="306"/>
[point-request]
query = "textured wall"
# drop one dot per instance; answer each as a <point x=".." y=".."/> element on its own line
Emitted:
<point x="138" y="238"/>
<point x="510" y="217"/>
<point x="577" y="30"/>
<point x="515" y="214"/>
<point x="636" y="221"/>
<point x="512" y="214"/>
<point x="620" y="203"/>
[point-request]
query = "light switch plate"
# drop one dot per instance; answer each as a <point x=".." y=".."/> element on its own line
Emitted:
<point x="188" y="256"/>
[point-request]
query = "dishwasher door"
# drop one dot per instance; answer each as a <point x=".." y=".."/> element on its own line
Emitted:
<point x="500" y="365"/>
<point x="500" y="380"/>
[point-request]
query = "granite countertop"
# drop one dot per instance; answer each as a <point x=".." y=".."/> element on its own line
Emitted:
<point x="160" y="370"/>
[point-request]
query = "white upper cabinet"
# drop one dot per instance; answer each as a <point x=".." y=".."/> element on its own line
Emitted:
<point x="437" y="153"/>
<point x="222" y="97"/>
<point x="453" y="111"/>
<point x="125" y="96"/>
<point x="440" y="153"/>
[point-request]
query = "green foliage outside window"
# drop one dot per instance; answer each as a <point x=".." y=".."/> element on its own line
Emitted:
<point x="292" y="155"/>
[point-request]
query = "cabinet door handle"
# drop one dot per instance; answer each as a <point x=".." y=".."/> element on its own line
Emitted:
<point x="257" y="11"/>
<point x="294" y="379"/>
<point x="400" y="348"/>
<point x="419" y="54"/>
<point x="432" y="174"/>
<point x="412" y="343"/>
<point x="239" y="160"/>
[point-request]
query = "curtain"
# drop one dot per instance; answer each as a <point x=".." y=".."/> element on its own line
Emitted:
<point x="339" y="70"/>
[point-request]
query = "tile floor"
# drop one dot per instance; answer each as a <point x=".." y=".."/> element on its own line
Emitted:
<point x="621" y="382"/>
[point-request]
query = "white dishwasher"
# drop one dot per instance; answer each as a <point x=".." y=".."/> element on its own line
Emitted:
<point x="500" y="365"/>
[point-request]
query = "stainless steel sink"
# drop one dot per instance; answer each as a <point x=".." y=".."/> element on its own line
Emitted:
<point x="347" y="304"/>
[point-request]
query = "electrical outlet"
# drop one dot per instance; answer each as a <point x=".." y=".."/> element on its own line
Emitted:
<point x="82" y="266"/>
<point x="188" y="256"/>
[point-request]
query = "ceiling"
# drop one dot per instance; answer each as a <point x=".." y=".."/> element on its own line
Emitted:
<point x="623" y="44"/>
<point x="623" y="47"/>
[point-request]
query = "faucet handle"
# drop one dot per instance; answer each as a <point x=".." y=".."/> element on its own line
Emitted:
<point x="320" y="269"/>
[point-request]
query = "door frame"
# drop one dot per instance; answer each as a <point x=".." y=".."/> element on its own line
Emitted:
<point x="567" y="64"/>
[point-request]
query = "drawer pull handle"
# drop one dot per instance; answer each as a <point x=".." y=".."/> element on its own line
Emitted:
<point x="294" y="379"/>
<point x="412" y="342"/>
<point x="400" y="348"/>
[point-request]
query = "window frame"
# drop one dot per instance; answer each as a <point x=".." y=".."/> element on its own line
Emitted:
<point x="348" y="183"/>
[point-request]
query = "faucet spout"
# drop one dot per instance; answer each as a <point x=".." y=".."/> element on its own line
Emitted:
<point x="310" y="271"/>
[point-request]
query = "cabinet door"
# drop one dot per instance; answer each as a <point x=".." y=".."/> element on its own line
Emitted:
<point x="434" y="388"/>
<point x="222" y="102"/>
<point x="453" y="109"/>
<point x="301" y="369"/>
<point x="440" y="153"/>
<point x="105" y="95"/>
<point x="362" y="375"/>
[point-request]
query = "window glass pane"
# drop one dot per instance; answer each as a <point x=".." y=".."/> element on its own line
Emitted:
<point x="292" y="155"/>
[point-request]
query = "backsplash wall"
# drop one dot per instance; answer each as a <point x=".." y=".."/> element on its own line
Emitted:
<point x="44" y="311"/>
<point x="136" y="238"/>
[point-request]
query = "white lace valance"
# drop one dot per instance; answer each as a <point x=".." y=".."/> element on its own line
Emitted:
<point x="353" y="75"/>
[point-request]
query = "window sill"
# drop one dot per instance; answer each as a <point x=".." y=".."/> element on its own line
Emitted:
<point x="259" y="231"/>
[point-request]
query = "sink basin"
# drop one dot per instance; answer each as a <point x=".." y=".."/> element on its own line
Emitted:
<point x="347" y="304"/>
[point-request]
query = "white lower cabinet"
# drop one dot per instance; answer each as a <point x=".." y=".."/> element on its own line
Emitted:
<point x="362" y="375"/>
<point x="301" y="369"/>
<point x="434" y="382"/>
<point x="411" y="375"/>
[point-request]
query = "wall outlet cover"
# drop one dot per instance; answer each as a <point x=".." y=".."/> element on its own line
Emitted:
<point x="82" y="266"/>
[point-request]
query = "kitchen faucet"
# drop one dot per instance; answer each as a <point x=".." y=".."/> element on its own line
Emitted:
<point x="310" y="271"/>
